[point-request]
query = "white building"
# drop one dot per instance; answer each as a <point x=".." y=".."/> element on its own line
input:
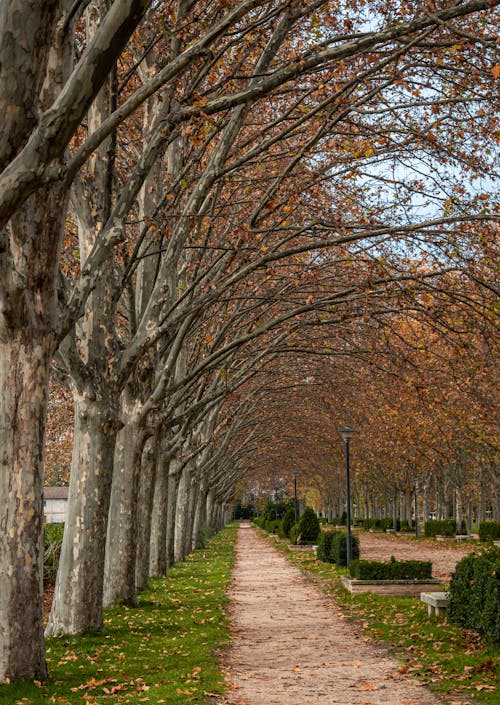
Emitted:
<point x="55" y="504"/>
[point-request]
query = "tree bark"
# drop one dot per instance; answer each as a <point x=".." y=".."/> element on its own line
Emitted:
<point x="158" y="541"/>
<point x="24" y="365"/>
<point x="173" y="482"/>
<point x="145" y="508"/>
<point x="200" y="516"/>
<point x="77" y="605"/>
<point x="121" y="544"/>
<point x="181" y="512"/>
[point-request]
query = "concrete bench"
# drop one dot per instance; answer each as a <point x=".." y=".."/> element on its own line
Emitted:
<point x="462" y="537"/>
<point x="436" y="602"/>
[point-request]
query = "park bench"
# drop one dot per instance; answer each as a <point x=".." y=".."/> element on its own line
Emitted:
<point x="462" y="537"/>
<point x="436" y="602"/>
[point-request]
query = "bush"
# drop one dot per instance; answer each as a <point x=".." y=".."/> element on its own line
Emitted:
<point x="381" y="524"/>
<point x="394" y="570"/>
<point x="53" y="537"/>
<point x="474" y="601"/>
<point x="309" y="527"/>
<point x="272" y="525"/>
<point x="288" y="521"/>
<point x="259" y="521"/>
<point x="338" y="549"/>
<point x="489" y="530"/>
<point x="440" y="527"/>
<point x="294" y="534"/>
<point x="325" y="542"/>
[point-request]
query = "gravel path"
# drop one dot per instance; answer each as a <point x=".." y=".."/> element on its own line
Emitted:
<point x="292" y="646"/>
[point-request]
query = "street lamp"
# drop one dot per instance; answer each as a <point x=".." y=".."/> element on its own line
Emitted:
<point x="347" y="434"/>
<point x="295" y="501"/>
<point x="416" y="509"/>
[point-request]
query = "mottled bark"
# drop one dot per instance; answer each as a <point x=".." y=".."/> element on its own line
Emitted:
<point x="28" y="318"/>
<point x="158" y="541"/>
<point x="190" y="513"/>
<point x="23" y="380"/>
<point x="173" y="482"/>
<point x="145" y="508"/>
<point x="181" y="513"/>
<point x="26" y="32"/>
<point x="200" y="515"/>
<point x="77" y="605"/>
<point x="210" y="511"/>
<point x="121" y="544"/>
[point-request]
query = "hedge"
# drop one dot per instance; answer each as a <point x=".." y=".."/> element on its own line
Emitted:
<point x="381" y="524"/>
<point x="325" y="541"/>
<point x="440" y="527"/>
<point x="474" y="594"/>
<point x="394" y="570"/>
<point x="489" y="530"/>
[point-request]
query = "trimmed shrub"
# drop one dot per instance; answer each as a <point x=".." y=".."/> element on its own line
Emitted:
<point x="272" y="525"/>
<point x="53" y="537"/>
<point x="338" y="549"/>
<point x="489" y="530"/>
<point x="309" y="527"/>
<point x="294" y="534"/>
<point x="474" y="601"/>
<point x="381" y="524"/>
<point x="394" y="570"/>
<point x="325" y="541"/>
<point x="259" y="521"/>
<point x="288" y="521"/>
<point x="440" y="527"/>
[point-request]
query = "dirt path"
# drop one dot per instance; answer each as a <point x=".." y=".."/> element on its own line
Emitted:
<point x="292" y="646"/>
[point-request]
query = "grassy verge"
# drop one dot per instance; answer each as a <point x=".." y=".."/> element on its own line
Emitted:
<point x="162" y="652"/>
<point x="453" y="662"/>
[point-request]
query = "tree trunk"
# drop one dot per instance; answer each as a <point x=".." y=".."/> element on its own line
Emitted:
<point x="24" y="366"/>
<point x="173" y="483"/>
<point x="181" y="512"/>
<point x="158" y="541"/>
<point x="121" y="544"/>
<point x="28" y="315"/>
<point x="77" y="605"/>
<point x="194" y="487"/>
<point x="200" y="516"/>
<point x="211" y="510"/>
<point x="145" y="509"/>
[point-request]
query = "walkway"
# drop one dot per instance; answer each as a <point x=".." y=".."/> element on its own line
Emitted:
<point x="293" y="646"/>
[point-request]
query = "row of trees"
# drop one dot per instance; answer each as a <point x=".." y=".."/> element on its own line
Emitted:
<point x="193" y="198"/>
<point x="420" y="392"/>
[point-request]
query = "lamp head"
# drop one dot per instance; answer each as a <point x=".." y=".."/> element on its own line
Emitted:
<point x="347" y="433"/>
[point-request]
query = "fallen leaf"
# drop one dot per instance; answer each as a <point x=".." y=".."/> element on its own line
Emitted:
<point x="368" y="686"/>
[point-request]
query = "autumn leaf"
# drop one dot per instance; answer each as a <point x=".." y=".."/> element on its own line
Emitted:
<point x="496" y="71"/>
<point x="368" y="686"/>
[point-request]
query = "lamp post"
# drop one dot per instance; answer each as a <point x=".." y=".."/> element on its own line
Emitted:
<point x="295" y="501"/>
<point x="416" y="509"/>
<point x="347" y="434"/>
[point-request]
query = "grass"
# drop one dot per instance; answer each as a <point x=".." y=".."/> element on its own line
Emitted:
<point x="164" y="651"/>
<point x="454" y="663"/>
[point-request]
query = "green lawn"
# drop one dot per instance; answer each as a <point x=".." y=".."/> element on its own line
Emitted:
<point x="162" y="652"/>
<point x="454" y="663"/>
